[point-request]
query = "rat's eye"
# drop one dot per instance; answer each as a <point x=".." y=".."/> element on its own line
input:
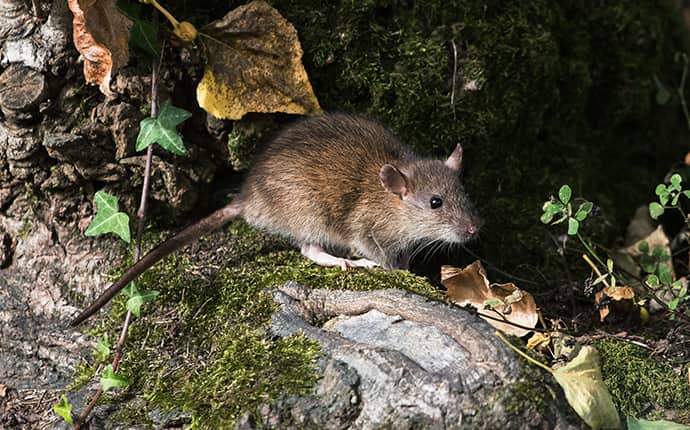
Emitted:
<point x="436" y="202"/>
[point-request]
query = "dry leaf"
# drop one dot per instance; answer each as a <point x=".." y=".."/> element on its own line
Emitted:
<point x="101" y="35"/>
<point x="3" y="390"/>
<point x="618" y="301"/>
<point x="585" y="390"/>
<point x="254" y="65"/>
<point x="539" y="341"/>
<point x="470" y="286"/>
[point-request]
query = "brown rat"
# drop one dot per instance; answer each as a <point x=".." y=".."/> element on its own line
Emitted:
<point x="339" y="182"/>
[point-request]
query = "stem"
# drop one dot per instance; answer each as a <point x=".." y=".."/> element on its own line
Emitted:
<point x="165" y="13"/>
<point x="681" y="91"/>
<point x="525" y="356"/>
<point x="589" y="249"/>
<point x="141" y="213"/>
<point x="594" y="267"/>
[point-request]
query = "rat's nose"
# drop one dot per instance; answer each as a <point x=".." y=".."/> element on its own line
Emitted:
<point x="471" y="229"/>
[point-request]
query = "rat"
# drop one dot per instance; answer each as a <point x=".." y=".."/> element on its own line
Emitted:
<point x="339" y="182"/>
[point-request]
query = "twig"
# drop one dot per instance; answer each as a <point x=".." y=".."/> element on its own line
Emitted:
<point x="141" y="214"/>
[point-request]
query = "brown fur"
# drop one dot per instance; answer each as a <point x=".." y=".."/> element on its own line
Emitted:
<point x="320" y="182"/>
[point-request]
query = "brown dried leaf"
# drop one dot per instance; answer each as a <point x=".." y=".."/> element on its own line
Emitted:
<point x="101" y="35"/>
<point x="619" y="302"/>
<point x="3" y="390"/>
<point x="254" y="65"/>
<point x="470" y="286"/>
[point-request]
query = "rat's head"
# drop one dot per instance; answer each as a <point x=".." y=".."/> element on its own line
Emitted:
<point x="432" y="199"/>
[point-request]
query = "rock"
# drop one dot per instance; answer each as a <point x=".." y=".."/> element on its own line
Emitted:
<point x="397" y="360"/>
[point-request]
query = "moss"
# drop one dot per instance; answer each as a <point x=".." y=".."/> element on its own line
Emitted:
<point x="528" y="392"/>
<point x="642" y="386"/>
<point x="202" y="348"/>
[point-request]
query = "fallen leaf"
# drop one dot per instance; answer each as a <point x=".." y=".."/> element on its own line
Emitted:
<point x="470" y="286"/>
<point x="640" y="424"/>
<point x="101" y="35"/>
<point x="254" y="65"/>
<point x="3" y="390"/>
<point x="616" y="300"/>
<point x="539" y="341"/>
<point x="585" y="390"/>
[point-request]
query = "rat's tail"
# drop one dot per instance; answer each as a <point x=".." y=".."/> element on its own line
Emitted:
<point x="186" y="236"/>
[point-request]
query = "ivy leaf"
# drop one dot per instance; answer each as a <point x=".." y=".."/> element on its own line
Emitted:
<point x="130" y="290"/>
<point x="64" y="409"/>
<point x="103" y="348"/>
<point x="136" y="301"/>
<point x="564" y="194"/>
<point x="110" y="379"/>
<point x="108" y="219"/>
<point x="573" y="225"/>
<point x="162" y="130"/>
<point x="171" y="116"/>
<point x="655" y="210"/>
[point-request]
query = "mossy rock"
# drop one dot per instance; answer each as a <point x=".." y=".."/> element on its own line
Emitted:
<point x="201" y="347"/>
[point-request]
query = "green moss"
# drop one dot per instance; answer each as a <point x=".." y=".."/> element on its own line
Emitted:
<point x="202" y="348"/>
<point x="529" y="392"/>
<point x="642" y="386"/>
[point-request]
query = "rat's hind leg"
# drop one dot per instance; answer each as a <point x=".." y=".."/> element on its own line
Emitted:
<point x="319" y="256"/>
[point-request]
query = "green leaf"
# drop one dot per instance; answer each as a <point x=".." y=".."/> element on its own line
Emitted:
<point x="135" y="302"/>
<point x="652" y="281"/>
<point x="171" y="116"/>
<point x="546" y="217"/>
<point x="108" y="219"/>
<point x="609" y="265"/>
<point x="144" y="35"/>
<point x="584" y="210"/>
<point x="643" y="246"/>
<point x="674" y="200"/>
<point x="130" y="290"/>
<point x="635" y="424"/>
<point x="676" y="179"/>
<point x="493" y="303"/>
<point x="686" y="193"/>
<point x="64" y="409"/>
<point x="673" y="304"/>
<point x="162" y="130"/>
<point x="660" y="189"/>
<point x="564" y="194"/>
<point x="655" y="210"/>
<point x="683" y="292"/>
<point x="103" y="348"/>
<point x="662" y="93"/>
<point x="664" y="275"/>
<point x="573" y="225"/>
<point x="663" y="199"/>
<point x="110" y="379"/>
<point x="585" y="390"/>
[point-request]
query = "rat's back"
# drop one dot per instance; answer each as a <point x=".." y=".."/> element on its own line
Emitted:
<point x="316" y="174"/>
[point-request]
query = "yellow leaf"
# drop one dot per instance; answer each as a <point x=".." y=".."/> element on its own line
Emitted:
<point x="586" y="392"/>
<point x="254" y="65"/>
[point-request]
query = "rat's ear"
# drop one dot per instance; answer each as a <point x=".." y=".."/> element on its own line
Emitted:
<point x="394" y="181"/>
<point x="455" y="160"/>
